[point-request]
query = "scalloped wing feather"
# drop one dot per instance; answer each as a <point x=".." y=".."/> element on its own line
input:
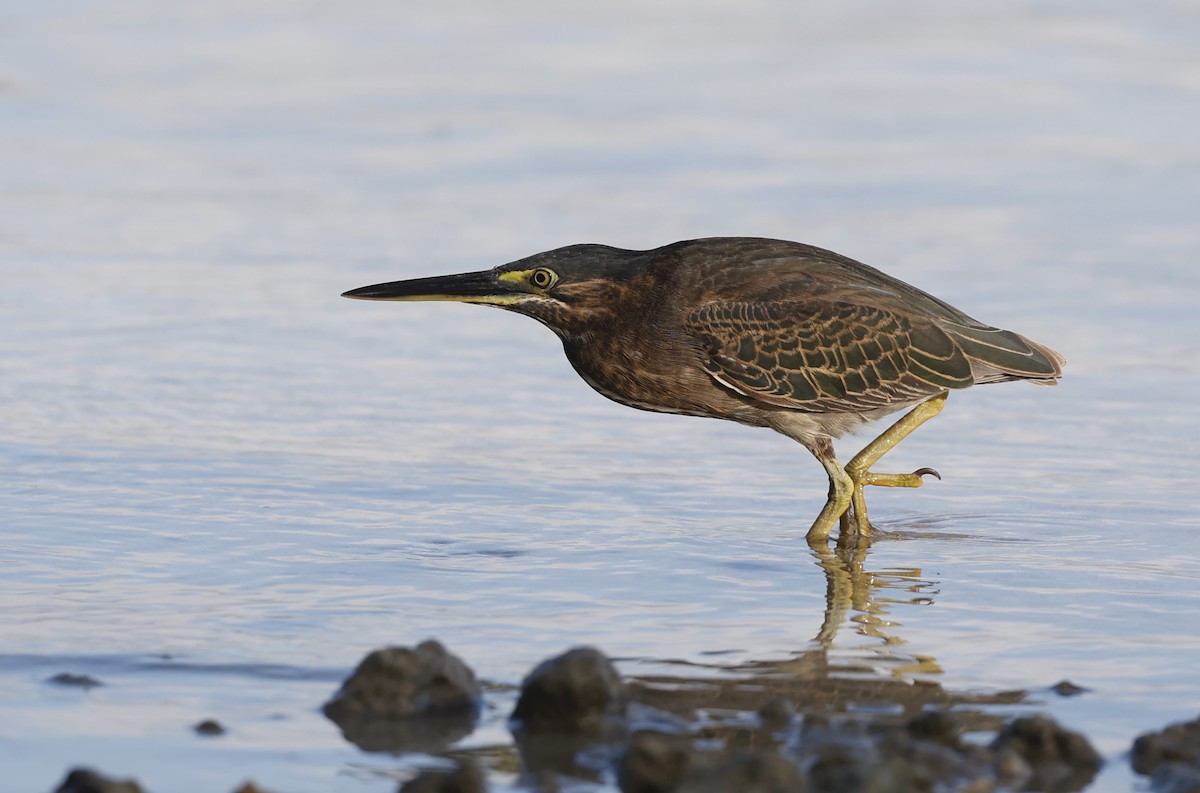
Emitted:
<point x="827" y="356"/>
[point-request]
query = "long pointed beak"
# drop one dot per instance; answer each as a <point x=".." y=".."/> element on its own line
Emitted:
<point x="480" y="287"/>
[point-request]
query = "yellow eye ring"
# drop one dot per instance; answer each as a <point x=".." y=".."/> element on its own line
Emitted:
<point x="543" y="278"/>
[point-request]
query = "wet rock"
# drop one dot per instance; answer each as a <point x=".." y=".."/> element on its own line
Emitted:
<point x="1177" y="743"/>
<point x="398" y="682"/>
<point x="68" y="679"/>
<point x="249" y="787"/>
<point x="777" y="714"/>
<point x="85" y="780"/>
<point x="464" y="778"/>
<point x="577" y="691"/>
<point x="407" y="699"/>
<point x="653" y="763"/>
<point x="1065" y="688"/>
<point x="935" y="726"/>
<point x="1175" y="778"/>
<point x="1059" y="759"/>
<point x="747" y="772"/>
<point x="841" y="768"/>
<point x="928" y="752"/>
<point x="208" y="727"/>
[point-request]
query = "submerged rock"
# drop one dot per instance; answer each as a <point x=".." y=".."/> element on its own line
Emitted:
<point x="1057" y="758"/>
<point x="407" y="699"/>
<point x="1177" y="743"/>
<point x="85" y="780"/>
<point x="777" y="714"/>
<point x="1175" y="778"/>
<point x="1065" y="688"/>
<point x="464" y="778"/>
<point x="653" y="762"/>
<point x="69" y="679"/>
<point x="577" y="691"/>
<point x="761" y="771"/>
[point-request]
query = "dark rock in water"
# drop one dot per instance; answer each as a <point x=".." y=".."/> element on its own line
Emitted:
<point x="85" y="780"/>
<point x="401" y="699"/>
<point x="400" y="682"/>
<point x="749" y="772"/>
<point x="777" y="714"/>
<point x="653" y="763"/>
<point x="208" y="727"/>
<point x="1065" y="688"/>
<point x="1177" y="743"/>
<point x="249" y="787"/>
<point x="1058" y="759"/>
<point x="842" y="768"/>
<point x="935" y="726"/>
<point x="68" y="679"/>
<point x="577" y="691"/>
<point x="1175" y="778"/>
<point x="465" y="778"/>
<point x="928" y="752"/>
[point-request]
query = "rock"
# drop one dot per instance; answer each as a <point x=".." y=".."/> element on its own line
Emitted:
<point x="249" y="787"/>
<point x="935" y="726"/>
<point x="85" y="780"/>
<point x="1065" y="688"/>
<point x="1177" y="743"/>
<point x="1059" y="760"/>
<point x="1175" y="778"/>
<point x="399" y="682"/>
<point x="653" y="763"/>
<point x="748" y="772"/>
<point x="208" y="727"/>
<point x="777" y="714"/>
<point x="577" y="691"/>
<point x="407" y="700"/>
<point x="464" y="778"/>
<point x="841" y="768"/>
<point x="68" y="679"/>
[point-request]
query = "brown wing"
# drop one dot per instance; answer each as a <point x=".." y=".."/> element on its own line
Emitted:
<point x="827" y="356"/>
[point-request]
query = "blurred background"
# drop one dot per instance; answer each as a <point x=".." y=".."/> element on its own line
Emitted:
<point x="221" y="484"/>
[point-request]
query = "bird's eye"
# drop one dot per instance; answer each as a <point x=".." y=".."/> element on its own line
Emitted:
<point x="543" y="278"/>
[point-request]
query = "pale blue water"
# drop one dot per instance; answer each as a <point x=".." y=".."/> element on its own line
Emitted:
<point x="222" y="484"/>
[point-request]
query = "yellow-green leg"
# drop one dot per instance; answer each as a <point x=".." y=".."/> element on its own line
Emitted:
<point x="837" y="505"/>
<point x="846" y="505"/>
<point x="858" y="469"/>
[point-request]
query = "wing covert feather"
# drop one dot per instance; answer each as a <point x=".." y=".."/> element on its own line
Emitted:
<point x="826" y="356"/>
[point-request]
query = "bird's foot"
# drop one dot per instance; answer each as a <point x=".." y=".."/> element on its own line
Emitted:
<point x="846" y="507"/>
<point x="855" y="519"/>
<point x="864" y="478"/>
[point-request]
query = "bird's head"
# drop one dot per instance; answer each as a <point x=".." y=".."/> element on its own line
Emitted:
<point x="568" y="289"/>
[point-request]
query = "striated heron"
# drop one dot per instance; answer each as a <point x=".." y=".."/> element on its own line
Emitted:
<point x="758" y="331"/>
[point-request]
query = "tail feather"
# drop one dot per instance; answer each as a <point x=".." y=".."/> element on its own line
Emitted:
<point x="997" y="355"/>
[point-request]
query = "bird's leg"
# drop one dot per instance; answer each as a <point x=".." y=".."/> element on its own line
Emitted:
<point x="841" y="489"/>
<point x="858" y="469"/>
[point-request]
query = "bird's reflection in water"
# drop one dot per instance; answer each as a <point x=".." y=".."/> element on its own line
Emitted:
<point x="861" y="597"/>
<point x="872" y="677"/>
<point x="854" y="669"/>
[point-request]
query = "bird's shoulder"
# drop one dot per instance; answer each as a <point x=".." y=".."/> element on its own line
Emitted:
<point x="761" y="270"/>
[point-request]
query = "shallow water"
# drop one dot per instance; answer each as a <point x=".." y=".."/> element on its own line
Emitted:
<point x="223" y="484"/>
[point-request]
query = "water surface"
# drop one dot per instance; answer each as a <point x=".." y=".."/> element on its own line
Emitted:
<point x="223" y="484"/>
